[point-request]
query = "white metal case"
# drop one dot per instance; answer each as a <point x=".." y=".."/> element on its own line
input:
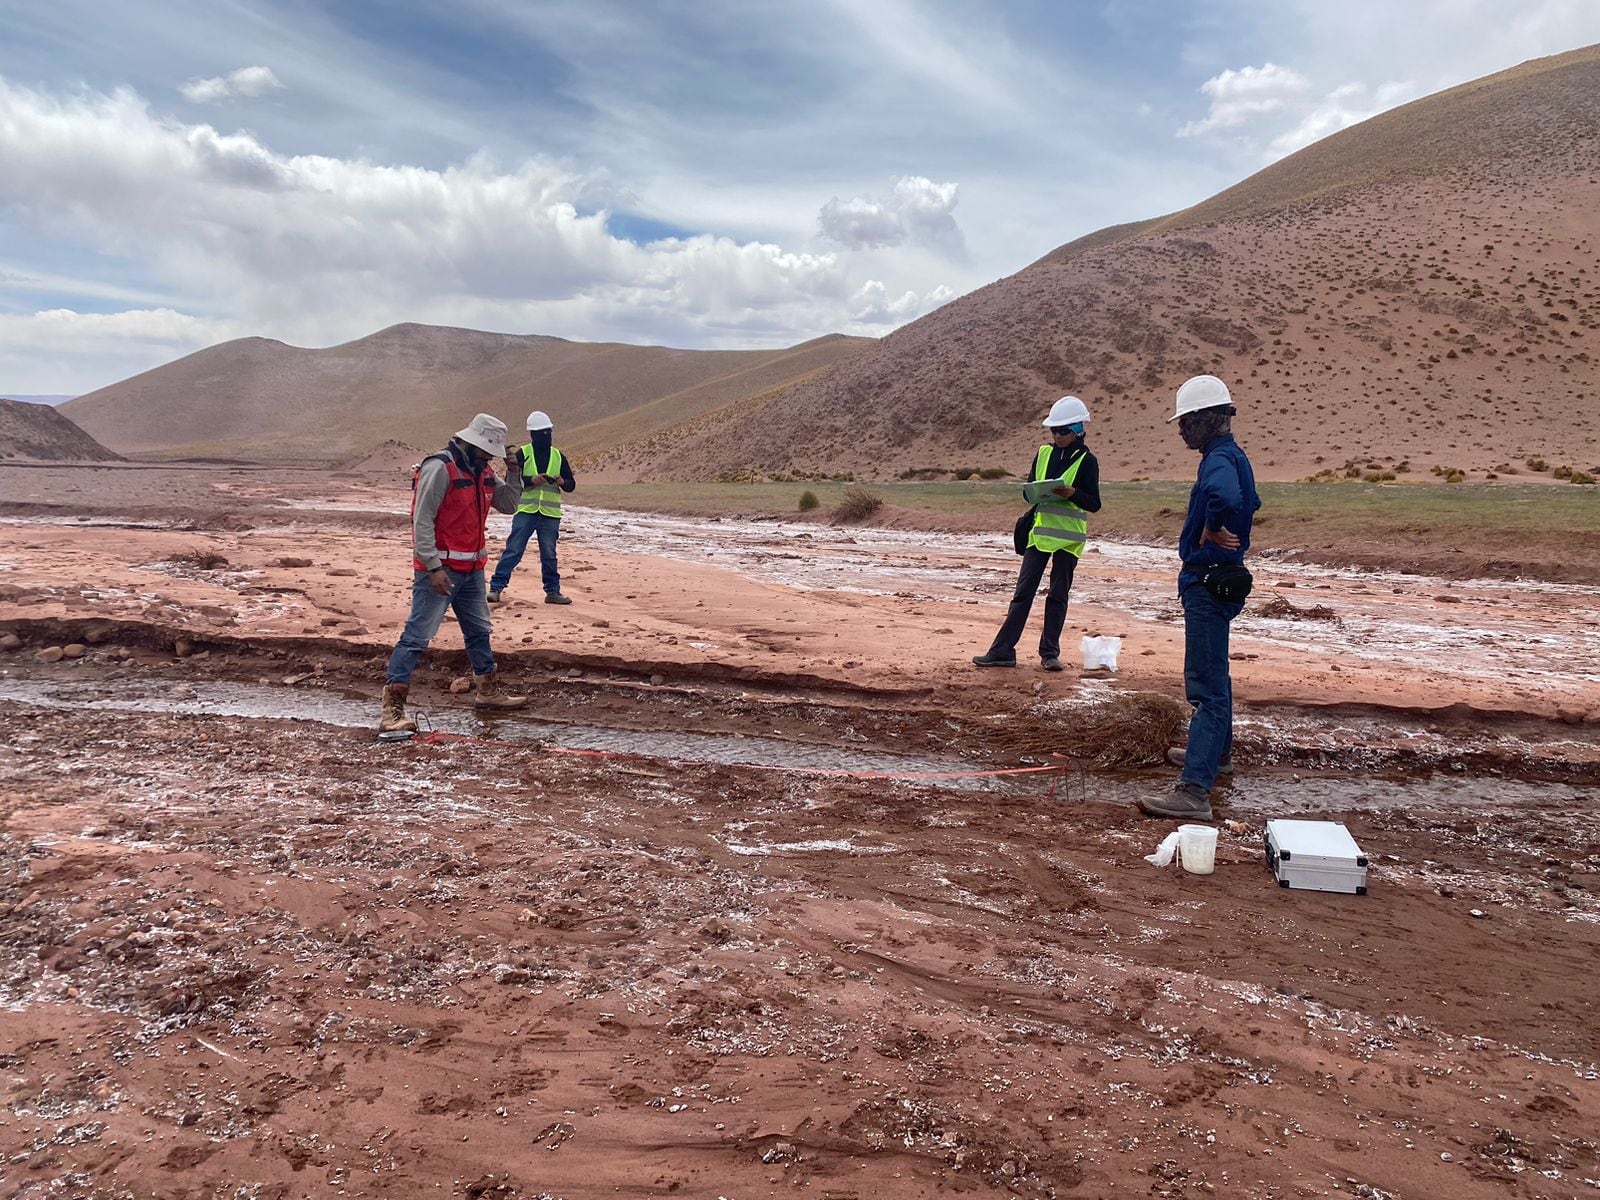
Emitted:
<point x="1317" y="856"/>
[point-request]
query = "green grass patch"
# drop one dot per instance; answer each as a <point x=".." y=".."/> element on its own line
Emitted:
<point x="1461" y="514"/>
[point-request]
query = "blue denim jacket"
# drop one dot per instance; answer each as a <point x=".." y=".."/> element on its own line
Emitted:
<point x="1224" y="497"/>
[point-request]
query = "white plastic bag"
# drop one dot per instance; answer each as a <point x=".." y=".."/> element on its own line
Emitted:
<point x="1164" y="852"/>
<point x="1100" y="652"/>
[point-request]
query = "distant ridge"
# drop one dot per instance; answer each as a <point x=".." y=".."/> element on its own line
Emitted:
<point x="256" y="398"/>
<point x="39" y="433"/>
<point x="1373" y="299"/>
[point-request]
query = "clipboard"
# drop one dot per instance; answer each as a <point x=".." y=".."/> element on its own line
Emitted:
<point x="1040" y="490"/>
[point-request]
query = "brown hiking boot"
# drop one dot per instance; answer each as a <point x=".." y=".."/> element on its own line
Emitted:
<point x="1186" y="802"/>
<point x="393" y="718"/>
<point x="490" y="695"/>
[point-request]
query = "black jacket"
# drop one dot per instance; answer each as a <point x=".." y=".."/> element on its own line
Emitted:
<point x="1086" y="487"/>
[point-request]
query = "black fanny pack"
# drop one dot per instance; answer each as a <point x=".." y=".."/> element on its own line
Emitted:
<point x="1228" y="582"/>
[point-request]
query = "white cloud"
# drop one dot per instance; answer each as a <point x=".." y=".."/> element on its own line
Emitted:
<point x="917" y="210"/>
<point x="316" y="249"/>
<point x="77" y="352"/>
<point x="1243" y="95"/>
<point x="62" y="328"/>
<point x="1273" y="111"/>
<point x="1344" y="106"/>
<point x="246" y="81"/>
<point x="872" y="309"/>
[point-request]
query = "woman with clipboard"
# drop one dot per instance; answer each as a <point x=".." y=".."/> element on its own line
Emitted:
<point x="1063" y="485"/>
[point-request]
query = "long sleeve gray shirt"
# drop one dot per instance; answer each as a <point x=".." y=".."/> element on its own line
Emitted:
<point x="432" y="483"/>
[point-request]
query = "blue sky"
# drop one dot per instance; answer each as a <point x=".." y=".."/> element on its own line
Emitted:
<point x="176" y="172"/>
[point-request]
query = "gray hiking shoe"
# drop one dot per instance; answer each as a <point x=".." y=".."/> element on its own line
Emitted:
<point x="1186" y="802"/>
<point x="494" y="597"/>
<point x="1051" y="664"/>
<point x="992" y="660"/>
<point x="1177" y="756"/>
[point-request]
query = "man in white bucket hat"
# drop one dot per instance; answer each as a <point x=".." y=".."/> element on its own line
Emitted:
<point x="451" y="495"/>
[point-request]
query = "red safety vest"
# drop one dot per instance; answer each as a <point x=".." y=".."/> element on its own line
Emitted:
<point x="458" y="527"/>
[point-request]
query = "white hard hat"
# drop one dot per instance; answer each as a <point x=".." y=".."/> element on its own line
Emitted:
<point x="486" y="433"/>
<point x="1068" y="410"/>
<point x="539" y="420"/>
<point x="1203" y="391"/>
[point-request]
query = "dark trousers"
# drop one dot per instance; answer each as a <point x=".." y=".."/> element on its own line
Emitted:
<point x="1062" y="565"/>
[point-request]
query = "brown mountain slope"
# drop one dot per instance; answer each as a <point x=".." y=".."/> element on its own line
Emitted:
<point x="39" y="433"/>
<point x="259" y="399"/>
<point x="1419" y="287"/>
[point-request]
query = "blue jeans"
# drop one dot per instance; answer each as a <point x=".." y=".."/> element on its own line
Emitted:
<point x="427" y="611"/>
<point x="1206" y="683"/>
<point x="524" y="526"/>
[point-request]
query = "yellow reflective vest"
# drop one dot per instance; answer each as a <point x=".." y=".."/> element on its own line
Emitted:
<point x="1059" y="524"/>
<point x="542" y="498"/>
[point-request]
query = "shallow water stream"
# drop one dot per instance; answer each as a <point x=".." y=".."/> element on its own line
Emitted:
<point x="1278" y="792"/>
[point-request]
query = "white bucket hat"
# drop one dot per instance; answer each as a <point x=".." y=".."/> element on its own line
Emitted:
<point x="486" y="433"/>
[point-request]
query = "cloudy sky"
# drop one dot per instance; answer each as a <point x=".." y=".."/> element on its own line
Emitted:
<point x="690" y="172"/>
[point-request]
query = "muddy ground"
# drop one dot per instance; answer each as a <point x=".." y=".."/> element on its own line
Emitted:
<point x="732" y="910"/>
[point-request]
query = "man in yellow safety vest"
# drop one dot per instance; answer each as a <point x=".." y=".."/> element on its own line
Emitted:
<point x="546" y="473"/>
<point x="1059" y="531"/>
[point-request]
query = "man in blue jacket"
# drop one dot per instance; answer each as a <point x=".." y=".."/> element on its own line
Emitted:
<point x="1222" y="506"/>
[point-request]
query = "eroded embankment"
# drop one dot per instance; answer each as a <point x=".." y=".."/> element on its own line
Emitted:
<point x="140" y="666"/>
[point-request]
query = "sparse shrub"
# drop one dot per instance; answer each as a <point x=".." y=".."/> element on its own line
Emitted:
<point x="993" y="473"/>
<point x="808" y="501"/>
<point x="1537" y="464"/>
<point x="1562" y="472"/>
<point x="857" y="505"/>
<point x="1581" y="477"/>
<point x="1387" y="477"/>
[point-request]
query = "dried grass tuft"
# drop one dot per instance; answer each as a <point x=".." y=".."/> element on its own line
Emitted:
<point x="1281" y="609"/>
<point x="857" y="505"/>
<point x="1131" y="729"/>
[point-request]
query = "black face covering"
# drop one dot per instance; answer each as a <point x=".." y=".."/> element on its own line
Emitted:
<point x="1200" y="427"/>
<point x="540" y="440"/>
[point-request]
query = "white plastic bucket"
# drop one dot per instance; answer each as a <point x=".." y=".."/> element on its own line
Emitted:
<point x="1197" y="847"/>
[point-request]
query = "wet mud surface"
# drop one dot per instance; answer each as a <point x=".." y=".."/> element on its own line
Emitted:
<point x="740" y="908"/>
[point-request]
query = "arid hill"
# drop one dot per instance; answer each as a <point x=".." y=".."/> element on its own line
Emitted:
<point x="260" y="399"/>
<point x="1420" y="289"/>
<point x="38" y="433"/>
